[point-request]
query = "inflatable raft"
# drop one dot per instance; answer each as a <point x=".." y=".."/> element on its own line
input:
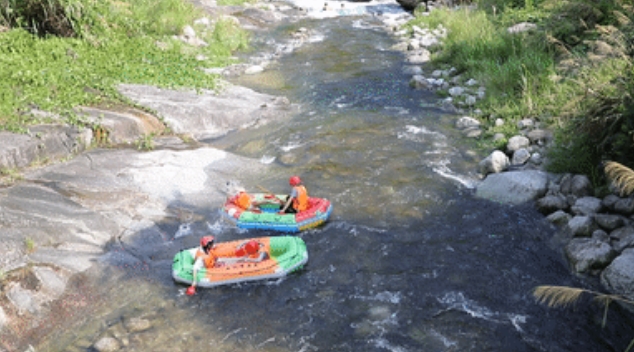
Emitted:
<point x="318" y="211"/>
<point x="280" y="255"/>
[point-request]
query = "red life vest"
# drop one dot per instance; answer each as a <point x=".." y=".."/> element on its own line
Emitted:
<point x="300" y="203"/>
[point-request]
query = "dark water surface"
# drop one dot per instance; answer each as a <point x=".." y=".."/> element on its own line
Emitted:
<point x="410" y="261"/>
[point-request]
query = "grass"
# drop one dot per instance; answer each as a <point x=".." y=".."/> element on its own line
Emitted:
<point x="112" y="42"/>
<point x="574" y="74"/>
<point x="29" y="245"/>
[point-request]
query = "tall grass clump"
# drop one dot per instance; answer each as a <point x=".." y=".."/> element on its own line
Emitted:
<point x="574" y="73"/>
<point x="514" y="68"/>
<point x="104" y="43"/>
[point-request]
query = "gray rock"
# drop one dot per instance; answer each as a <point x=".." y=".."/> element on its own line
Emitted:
<point x="601" y="235"/>
<point x="467" y="122"/>
<point x="23" y="299"/>
<point x="559" y="218"/>
<point x="123" y="127"/>
<point x="520" y="157"/>
<point x="610" y="200"/>
<point x="609" y="222"/>
<point x="209" y="114"/>
<point x="624" y="206"/>
<point x="586" y="254"/>
<point x="539" y="136"/>
<point x="521" y="27"/>
<point x="618" y="277"/>
<point x="137" y="324"/>
<point x="587" y="206"/>
<point x="494" y="163"/>
<point x="107" y="344"/>
<point x="551" y="203"/>
<point x="581" y="186"/>
<point x="514" y="187"/>
<point x="622" y="238"/>
<point x="516" y="143"/>
<point x="44" y="142"/>
<point x="581" y="226"/>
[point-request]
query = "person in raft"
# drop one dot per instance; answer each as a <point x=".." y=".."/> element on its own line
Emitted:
<point x="205" y="258"/>
<point x="297" y="201"/>
<point x="245" y="201"/>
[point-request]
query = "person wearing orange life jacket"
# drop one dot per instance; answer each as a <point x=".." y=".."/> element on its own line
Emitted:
<point x="297" y="201"/>
<point x="204" y="257"/>
<point x="245" y="201"/>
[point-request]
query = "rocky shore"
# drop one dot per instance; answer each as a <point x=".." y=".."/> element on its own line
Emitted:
<point x="596" y="234"/>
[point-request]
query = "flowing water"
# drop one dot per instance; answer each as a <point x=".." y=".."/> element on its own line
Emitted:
<point x="409" y="261"/>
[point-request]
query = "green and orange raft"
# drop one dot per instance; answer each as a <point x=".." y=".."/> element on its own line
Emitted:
<point x="282" y="255"/>
<point x="317" y="213"/>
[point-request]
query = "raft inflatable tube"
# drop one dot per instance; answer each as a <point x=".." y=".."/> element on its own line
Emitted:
<point x="318" y="212"/>
<point x="283" y="255"/>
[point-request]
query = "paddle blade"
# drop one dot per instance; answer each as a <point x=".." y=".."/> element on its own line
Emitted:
<point x="191" y="290"/>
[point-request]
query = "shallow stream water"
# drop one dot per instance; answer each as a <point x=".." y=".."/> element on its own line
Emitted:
<point x="409" y="261"/>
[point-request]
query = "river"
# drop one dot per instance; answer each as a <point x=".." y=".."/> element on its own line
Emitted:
<point x="409" y="261"/>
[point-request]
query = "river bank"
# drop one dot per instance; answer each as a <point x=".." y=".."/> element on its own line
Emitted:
<point x="157" y="196"/>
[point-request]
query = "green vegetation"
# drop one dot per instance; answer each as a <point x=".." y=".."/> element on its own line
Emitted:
<point x="67" y="53"/>
<point x="29" y="245"/>
<point x="574" y="73"/>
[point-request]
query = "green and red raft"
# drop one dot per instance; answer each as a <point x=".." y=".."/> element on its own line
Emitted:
<point x="282" y="255"/>
<point x="317" y="213"/>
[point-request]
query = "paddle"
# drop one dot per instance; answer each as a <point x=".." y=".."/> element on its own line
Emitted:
<point x="191" y="290"/>
<point x="270" y="194"/>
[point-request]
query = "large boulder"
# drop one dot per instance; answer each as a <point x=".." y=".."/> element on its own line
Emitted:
<point x="209" y="114"/>
<point x="618" y="277"/>
<point x="514" y="187"/>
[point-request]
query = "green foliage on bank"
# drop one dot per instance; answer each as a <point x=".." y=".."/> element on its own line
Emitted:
<point x="574" y="73"/>
<point x="61" y="54"/>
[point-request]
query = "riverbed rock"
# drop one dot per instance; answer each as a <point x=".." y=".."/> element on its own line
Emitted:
<point x="576" y="185"/>
<point x="581" y="226"/>
<point x="618" y="277"/>
<point x="41" y="143"/>
<point x="609" y="222"/>
<point x="624" y="206"/>
<point x="586" y="206"/>
<point x="513" y="187"/>
<point x="107" y="344"/>
<point x="586" y="254"/>
<point x="622" y="238"/>
<point x="123" y="127"/>
<point x="496" y="162"/>
<point x="559" y="218"/>
<point x="517" y="142"/>
<point x="137" y="324"/>
<point x="551" y="203"/>
<point x="209" y="114"/>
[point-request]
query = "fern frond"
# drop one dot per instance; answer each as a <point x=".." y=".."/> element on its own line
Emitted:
<point x="557" y="296"/>
<point x="621" y="176"/>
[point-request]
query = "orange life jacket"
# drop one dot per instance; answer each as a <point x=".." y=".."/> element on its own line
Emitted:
<point x="208" y="258"/>
<point x="244" y="200"/>
<point x="300" y="203"/>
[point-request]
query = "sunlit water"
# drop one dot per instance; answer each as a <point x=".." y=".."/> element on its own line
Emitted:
<point x="410" y="261"/>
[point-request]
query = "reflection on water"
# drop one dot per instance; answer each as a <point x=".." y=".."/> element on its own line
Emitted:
<point x="409" y="261"/>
